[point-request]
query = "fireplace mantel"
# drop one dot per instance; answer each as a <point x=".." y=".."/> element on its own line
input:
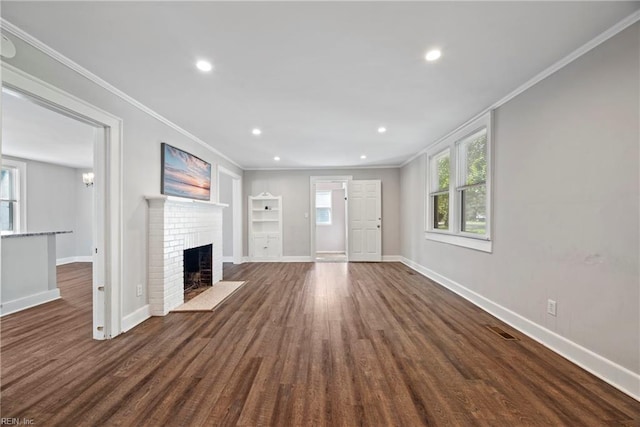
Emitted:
<point x="176" y="224"/>
<point x="162" y="199"/>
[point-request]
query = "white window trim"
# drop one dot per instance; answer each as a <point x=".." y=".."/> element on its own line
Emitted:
<point x="21" y="195"/>
<point x="454" y="235"/>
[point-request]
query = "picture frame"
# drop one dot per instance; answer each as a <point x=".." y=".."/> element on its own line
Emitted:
<point x="184" y="175"/>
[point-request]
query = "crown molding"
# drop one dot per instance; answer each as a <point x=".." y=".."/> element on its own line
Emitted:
<point x="596" y="41"/>
<point x="313" y="168"/>
<point x="49" y="51"/>
<point x="36" y="43"/>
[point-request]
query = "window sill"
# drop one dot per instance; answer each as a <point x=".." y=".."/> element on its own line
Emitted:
<point x="466" y="242"/>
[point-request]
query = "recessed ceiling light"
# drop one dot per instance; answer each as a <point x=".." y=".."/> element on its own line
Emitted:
<point x="204" y="66"/>
<point x="363" y="157"/>
<point x="382" y="129"/>
<point x="432" y="55"/>
<point x="256" y="131"/>
<point x="276" y="158"/>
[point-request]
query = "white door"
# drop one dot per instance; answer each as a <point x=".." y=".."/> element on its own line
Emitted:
<point x="365" y="220"/>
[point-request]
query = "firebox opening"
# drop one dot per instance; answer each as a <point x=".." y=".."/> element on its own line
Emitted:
<point x="197" y="267"/>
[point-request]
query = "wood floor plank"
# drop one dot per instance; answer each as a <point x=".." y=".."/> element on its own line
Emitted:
<point x="300" y="344"/>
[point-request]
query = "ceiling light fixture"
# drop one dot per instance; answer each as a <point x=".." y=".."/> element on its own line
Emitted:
<point x="204" y="66"/>
<point x="382" y="129"/>
<point x="276" y="158"/>
<point x="256" y="131"/>
<point x="363" y="157"/>
<point x="432" y="55"/>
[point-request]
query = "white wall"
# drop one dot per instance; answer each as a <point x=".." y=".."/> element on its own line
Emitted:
<point x="142" y="135"/>
<point x="51" y="203"/>
<point x="331" y="238"/>
<point x="566" y="213"/>
<point x="226" y="196"/>
<point x="293" y="186"/>
<point x="83" y="231"/>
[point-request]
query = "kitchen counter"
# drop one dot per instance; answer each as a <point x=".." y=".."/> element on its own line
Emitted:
<point x="33" y="233"/>
<point x="28" y="270"/>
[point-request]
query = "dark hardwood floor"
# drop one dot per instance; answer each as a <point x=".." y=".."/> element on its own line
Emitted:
<point x="300" y="344"/>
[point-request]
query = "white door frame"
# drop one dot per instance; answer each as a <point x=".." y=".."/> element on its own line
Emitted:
<point x="108" y="193"/>
<point x="313" y="180"/>
<point x="236" y="197"/>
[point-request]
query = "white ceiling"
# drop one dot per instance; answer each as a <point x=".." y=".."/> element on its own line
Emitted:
<point x="34" y="132"/>
<point x="318" y="78"/>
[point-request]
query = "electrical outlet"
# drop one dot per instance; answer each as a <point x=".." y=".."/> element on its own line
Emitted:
<point x="551" y="307"/>
<point x="139" y="290"/>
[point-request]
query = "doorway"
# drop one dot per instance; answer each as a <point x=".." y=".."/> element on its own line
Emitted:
<point x="329" y="218"/>
<point x="56" y="151"/>
<point x="106" y="235"/>
<point x="230" y="193"/>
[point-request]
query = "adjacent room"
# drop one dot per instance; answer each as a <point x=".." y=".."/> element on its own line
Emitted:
<point x="320" y="213"/>
<point x="47" y="207"/>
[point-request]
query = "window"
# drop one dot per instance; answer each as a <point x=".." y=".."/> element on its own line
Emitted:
<point x="440" y="170"/>
<point x="323" y="207"/>
<point x="12" y="192"/>
<point x="472" y="183"/>
<point x="458" y="182"/>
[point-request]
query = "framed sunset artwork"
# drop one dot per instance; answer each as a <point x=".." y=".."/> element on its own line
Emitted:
<point x="184" y="175"/>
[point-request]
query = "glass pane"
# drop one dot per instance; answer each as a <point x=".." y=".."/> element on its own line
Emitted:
<point x="441" y="212"/>
<point x="7" y="185"/>
<point x="442" y="170"/>
<point x="474" y="210"/>
<point x="323" y="199"/>
<point x="6" y="216"/>
<point x="323" y="216"/>
<point x="473" y="158"/>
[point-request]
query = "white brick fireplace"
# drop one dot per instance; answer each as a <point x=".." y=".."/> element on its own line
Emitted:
<point x="177" y="224"/>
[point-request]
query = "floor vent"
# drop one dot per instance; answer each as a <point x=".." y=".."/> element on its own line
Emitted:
<point x="505" y="335"/>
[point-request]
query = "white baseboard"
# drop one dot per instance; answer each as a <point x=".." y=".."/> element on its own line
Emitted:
<point x="385" y="258"/>
<point x="71" y="259"/>
<point x="132" y="320"/>
<point x="330" y="252"/>
<point x="618" y="376"/>
<point x="281" y="259"/>
<point x="296" y="259"/>
<point x="29" y="301"/>
<point x="227" y="259"/>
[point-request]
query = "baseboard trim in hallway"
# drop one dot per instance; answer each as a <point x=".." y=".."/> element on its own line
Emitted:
<point x="30" y="301"/>
<point x="618" y="376"/>
<point x="132" y="320"/>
